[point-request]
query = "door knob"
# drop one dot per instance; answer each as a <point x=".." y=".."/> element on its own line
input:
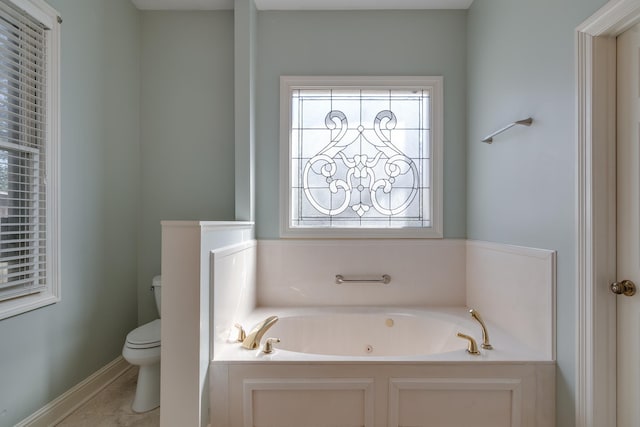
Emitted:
<point x="625" y="287"/>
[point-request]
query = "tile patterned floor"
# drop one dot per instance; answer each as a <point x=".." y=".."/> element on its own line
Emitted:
<point x="112" y="407"/>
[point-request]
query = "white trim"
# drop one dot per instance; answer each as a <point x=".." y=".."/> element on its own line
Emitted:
<point x="366" y="385"/>
<point x="54" y="249"/>
<point x="226" y="251"/>
<point x="595" y="169"/>
<point x="62" y="406"/>
<point x="434" y="84"/>
<point x="537" y="253"/>
<point x="613" y="19"/>
<point x="40" y="10"/>
<point x="23" y="304"/>
<point x="303" y="5"/>
<point x="447" y="384"/>
<point x="210" y="225"/>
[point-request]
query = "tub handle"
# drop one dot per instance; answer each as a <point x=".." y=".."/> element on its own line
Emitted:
<point x="268" y="345"/>
<point x="473" y="346"/>
<point x="241" y="333"/>
<point x="385" y="279"/>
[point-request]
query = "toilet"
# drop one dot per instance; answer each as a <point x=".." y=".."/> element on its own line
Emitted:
<point x="142" y="348"/>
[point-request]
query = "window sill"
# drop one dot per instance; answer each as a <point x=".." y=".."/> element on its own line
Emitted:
<point x="16" y="306"/>
<point x="360" y="233"/>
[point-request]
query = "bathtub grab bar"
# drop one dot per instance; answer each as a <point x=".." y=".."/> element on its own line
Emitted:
<point x="386" y="279"/>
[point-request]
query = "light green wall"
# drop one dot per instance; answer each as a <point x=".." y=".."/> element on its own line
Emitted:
<point x="521" y="188"/>
<point x="187" y="127"/>
<point x="46" y="351"/>
<point x="361" y="43"/>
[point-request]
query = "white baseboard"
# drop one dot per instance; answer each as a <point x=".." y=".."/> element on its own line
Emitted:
<point x="59" y="408"/>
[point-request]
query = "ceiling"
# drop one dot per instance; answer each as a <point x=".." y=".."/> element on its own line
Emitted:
<point x="304" y="4"/>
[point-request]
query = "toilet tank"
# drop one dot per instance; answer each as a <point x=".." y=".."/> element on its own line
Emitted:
<point x="156" y="285"/>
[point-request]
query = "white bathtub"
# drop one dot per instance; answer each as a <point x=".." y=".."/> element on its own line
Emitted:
<point x="388" y="333"/>
<point x="374" y="334"/>
<point x="356" y="366"/>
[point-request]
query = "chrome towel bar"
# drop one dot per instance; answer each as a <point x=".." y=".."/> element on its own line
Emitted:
<point x="525" y="122"/>
<point x="385" y="279"/>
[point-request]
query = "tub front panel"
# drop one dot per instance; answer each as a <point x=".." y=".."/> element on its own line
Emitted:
<point x="385" y="395"/>
<point x="490" y="402"/>
<point x="314" y="401"/>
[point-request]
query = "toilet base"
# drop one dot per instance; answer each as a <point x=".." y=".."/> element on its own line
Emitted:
<point x="148" y="388"/>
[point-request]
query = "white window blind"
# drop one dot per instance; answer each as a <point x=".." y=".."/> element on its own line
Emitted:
<point x="23" y="153"/>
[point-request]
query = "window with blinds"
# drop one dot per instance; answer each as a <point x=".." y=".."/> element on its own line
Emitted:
<point x="24" y="150"/>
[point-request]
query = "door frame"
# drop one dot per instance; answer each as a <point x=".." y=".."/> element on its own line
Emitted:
<point x="596" y="210"/>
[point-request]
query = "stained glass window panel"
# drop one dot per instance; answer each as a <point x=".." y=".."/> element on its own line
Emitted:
<point x="360" y="158"/>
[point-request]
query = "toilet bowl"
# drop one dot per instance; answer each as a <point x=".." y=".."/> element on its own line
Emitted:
<point x="142" y="348"/>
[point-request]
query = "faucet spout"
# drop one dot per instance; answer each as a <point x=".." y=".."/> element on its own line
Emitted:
<point x="252" y="341"/>
<point x="485" y="335"/>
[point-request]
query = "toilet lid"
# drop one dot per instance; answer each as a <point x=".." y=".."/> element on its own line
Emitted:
<point x="145" y="336"/>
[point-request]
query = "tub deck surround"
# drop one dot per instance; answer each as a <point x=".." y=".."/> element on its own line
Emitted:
<point x="515" y="287"/>
<point x="512" y="385"/>
<point x="512" y="286"/>
<point x="234" y="265"/>
<point x="186" y="315"/>
<point x="302" y="272"/>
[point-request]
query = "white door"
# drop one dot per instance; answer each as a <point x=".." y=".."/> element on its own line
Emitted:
<point x="628" y="226"/>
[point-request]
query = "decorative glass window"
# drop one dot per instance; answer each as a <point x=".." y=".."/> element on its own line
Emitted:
<point x="362" y="156"/>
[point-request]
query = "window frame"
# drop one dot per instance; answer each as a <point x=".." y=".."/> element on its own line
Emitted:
<point x="50" y="19"/>
<point x="432" y="83"/>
